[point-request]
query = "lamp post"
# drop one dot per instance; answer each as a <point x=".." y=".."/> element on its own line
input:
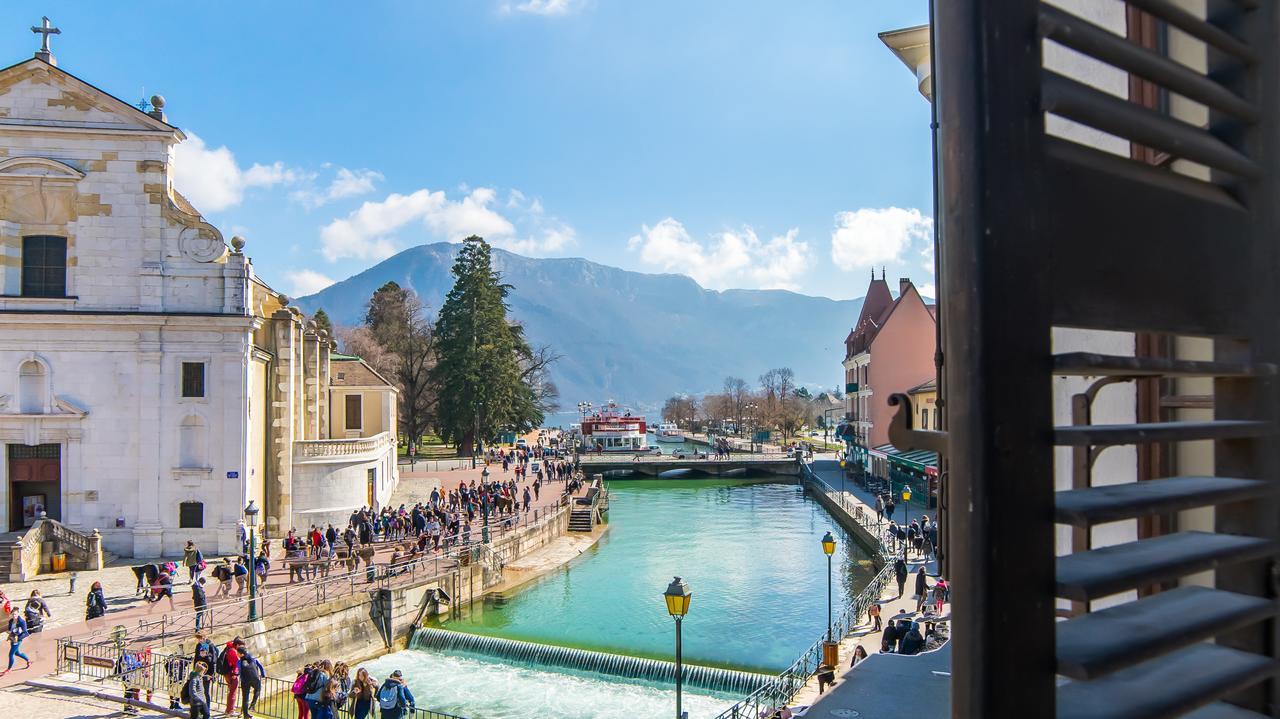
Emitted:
<point x="251" y="519"/>
<point x="829" y="548"/>
<point x="677" y="597"/>
<point x="751" y="419"/>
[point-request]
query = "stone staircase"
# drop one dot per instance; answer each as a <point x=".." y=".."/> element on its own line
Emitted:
<point x="9" y="542"/>
<point x="581" y="519"/>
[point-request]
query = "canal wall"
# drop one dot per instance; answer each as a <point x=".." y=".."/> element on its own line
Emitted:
<point x="850" y="512"/>
<point x="368" y="624"/>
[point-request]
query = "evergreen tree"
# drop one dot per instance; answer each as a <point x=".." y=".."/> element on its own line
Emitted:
<point x="480" y="372"/>
<point x="321" y="318"/>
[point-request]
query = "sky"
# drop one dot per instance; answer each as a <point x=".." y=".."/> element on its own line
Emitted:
<point x="745" y="144"/>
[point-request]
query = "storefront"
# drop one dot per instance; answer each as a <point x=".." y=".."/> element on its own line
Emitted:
<point x="916" y="470"/>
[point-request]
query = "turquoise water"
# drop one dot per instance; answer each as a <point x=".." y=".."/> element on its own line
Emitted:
<point x="749" y="551"/>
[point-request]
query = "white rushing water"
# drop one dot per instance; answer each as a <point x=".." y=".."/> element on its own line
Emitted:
<point x="480" y="689"/>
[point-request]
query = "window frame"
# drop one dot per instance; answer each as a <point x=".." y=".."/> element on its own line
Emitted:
<point x="204" y="379"/>
<point x="346" y="412"/>
<point x="182" y="524"/>
<point x="26" y="270"/>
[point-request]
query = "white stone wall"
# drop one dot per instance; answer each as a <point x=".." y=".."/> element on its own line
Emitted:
<point x="327" y="492"/>
<point x="125" y="462"/>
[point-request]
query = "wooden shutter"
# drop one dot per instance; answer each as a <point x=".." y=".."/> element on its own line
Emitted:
<point x="1039" y="232"/>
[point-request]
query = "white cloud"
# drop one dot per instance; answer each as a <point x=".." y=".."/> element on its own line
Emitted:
<point x="518" y="223"/>
<point x="544" y="7"/>
<point x="306" y="282"/>
<point x="345" y="183"/>
<point x="872" y="236"/>
<point x="929" y="290"/>
<point x="213" y="181"/>
<point x="729" y="259"/>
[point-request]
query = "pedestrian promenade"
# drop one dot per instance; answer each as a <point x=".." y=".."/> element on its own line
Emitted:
<point x="124" y="608"/>
<point x="893" y="604"/>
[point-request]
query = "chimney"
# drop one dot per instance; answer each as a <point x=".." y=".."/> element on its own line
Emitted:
<point x="903" y="284"/>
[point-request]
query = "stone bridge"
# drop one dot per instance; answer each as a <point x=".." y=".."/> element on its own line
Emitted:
<point x="654" y="465"/>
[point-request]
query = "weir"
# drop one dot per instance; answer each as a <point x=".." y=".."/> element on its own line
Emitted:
<point x="618" y="665"/>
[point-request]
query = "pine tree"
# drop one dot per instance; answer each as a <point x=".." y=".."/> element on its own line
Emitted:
<point x="321" y="318"/>
<point x="479" y="373"/>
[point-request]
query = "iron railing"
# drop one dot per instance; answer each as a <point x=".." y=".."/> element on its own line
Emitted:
<point x="339" y="581"/>
<point x="162" y="675"/>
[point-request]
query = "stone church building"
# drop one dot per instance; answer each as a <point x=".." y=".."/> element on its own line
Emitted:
<point x="151" y="384"/>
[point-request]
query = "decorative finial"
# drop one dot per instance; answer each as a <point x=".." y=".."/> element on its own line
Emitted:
<point x="237" y="244"/>
<point x="45" y="30"/>
<point x="157" y="107"/>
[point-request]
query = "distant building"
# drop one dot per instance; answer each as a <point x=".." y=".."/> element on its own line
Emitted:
<point x="890" y="349"/>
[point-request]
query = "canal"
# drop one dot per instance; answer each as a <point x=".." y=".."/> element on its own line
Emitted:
<point x="749" y="550"/>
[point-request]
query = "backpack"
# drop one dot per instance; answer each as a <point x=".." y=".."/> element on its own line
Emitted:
<point x="224" y="662"/>
<point x="313" y="682"/>
<point x="389" y="697"/>
<point x="185" y="696"/>
<point x="300" y="684"/>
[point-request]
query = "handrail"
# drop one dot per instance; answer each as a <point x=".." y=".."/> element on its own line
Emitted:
<point x="780" y="691"/>
<point x="158" y="673"/>
<point x="340" y="447"/>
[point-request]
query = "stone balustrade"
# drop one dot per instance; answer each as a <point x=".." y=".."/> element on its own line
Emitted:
<point x="305" y="449"/>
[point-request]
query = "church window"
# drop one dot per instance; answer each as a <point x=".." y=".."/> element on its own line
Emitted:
<point x="191" y="515"/>
<point x="31" y="387"/>
<point x="353" y="412"/>
<point x="191" y="443"/>
<point x="44" y="266"/>
<point x="192" y="379"/>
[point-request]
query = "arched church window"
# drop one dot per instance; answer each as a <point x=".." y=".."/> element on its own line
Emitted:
<point x="192" y="439"/>
<point x="31" y="387"/>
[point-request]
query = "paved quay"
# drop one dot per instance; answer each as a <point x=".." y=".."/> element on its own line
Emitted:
<point x="877" y="685"/>
<point x="119" y="581"/>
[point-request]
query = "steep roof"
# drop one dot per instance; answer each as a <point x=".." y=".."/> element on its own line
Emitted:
<point x="930" y="385"/>
<point x="875" y="306"/>
<point x="351" y="371"/>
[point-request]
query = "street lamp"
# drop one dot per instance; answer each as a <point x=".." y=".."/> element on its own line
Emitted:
<point x="677" y="597"/>
<point x="829" y="548"/>
<point x="251" y="519"/>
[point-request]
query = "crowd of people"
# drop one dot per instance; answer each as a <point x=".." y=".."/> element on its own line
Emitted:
<point x="450" y="518"/>
<point x="230" y="680"/>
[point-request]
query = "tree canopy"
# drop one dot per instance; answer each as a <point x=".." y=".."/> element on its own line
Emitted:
<point x="482" y="373"/>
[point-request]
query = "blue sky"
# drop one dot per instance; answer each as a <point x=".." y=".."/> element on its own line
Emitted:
<point x="746" y="144"/>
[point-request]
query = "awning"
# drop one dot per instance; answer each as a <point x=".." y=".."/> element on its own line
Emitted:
<point x="918" y="459"/>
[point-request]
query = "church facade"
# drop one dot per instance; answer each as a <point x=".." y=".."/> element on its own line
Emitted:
<point x="151" y="385"/>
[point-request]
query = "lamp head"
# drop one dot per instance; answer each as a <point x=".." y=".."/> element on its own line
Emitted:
<point x="251" y="511"/>
<point x="828" y="544"/>
<point x="677" y="597"/>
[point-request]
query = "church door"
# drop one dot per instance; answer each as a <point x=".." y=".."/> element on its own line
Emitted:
<point x="35" y="483"/>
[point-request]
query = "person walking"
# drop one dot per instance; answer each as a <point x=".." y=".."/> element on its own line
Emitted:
<point x="229" y="670"/>
<point x="362" y="693"/>
<point x="35" y="611"/>
<point x="319" y="680"/>
<point x="900" y="573"/>
<point x="300" y="683"/>
<point x="95" y="603"/>
<point x="195" y="692"/>
<point x="889" y="507"/>
<point x="922" y="590"/>
<point x="251" y="673"/>
<point x="17" y="632"/>
<point x="193" y="560"/>
<point x="873" y="614"/>
<point x="200" y="600"/>
<point x="394" y="698"/>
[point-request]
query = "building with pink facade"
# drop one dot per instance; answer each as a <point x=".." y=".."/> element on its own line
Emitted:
<point x="890" y="349"/>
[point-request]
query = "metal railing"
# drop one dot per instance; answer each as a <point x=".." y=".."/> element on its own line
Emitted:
<point x="343" y="578"/>
<point x="764" y="701"/>
<point x="152" y="675"/>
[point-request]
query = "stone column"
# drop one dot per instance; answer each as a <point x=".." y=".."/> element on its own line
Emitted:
<point x="326" y="346"/>
<point x="311" y="384"/>
<point x="279" y="480"/>
<point x="73" y="480"/>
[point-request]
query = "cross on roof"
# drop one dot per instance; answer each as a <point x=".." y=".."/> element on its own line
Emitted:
<point x="45" y="30"/>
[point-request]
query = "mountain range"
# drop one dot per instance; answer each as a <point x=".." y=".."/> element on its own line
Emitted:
<point x="634" y="337"/>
